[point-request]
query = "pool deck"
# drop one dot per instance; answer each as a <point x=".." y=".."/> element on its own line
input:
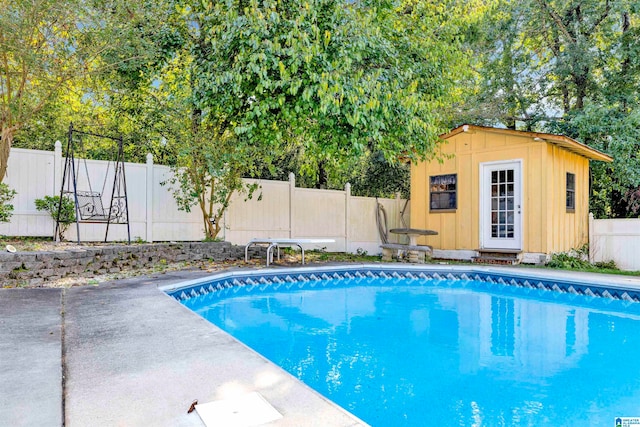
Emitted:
<point x="125" y="354"/>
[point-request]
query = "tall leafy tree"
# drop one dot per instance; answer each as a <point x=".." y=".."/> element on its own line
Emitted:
<point x="48" y="50"/>
<point x="569" y="67"/>
<point x="330" y="79"/>
<point x="345" y="76"/>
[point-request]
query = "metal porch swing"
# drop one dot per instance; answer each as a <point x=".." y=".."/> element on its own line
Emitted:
<point x="89" y="206"/>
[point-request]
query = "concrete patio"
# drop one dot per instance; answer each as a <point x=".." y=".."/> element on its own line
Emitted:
<point x="126" y="354"/>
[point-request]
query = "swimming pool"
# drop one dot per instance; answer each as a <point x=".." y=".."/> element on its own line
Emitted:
<point x="412" y="346"/>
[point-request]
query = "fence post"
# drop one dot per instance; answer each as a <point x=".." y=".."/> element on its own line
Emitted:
<point x="292" y="193"/>
<point x="57" y="168"/>
<point x="347" y="215"/>
<point x="149" y="201"/>
<point x="57" y="178"/>
<point x="397" y="221"/>
<point x="591" y="241"/>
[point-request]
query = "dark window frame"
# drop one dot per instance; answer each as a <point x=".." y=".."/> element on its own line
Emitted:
<point x="570" y="186"/>
<point x="445" y="188"/>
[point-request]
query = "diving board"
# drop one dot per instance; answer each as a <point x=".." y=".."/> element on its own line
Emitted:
<point x="276" y="243"/>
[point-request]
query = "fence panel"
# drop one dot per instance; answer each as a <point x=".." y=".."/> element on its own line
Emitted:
<point x="265" y="215"/>
<point x="277" y="209"/>
<point x="168" y="222"/>
<point x="31" y="174"/>
<point x="320" y="214"/>
<point x="617" y="240"/>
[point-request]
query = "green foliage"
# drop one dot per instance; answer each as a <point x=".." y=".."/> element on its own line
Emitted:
<point x="339" y="79"/>
<point x="67" y="211"/>
<point x="578" y="259"/>
<point x="6" y="208"/>
<point x="566" y="67"/>
<point x="68" y="61"/>
<point x="211" y="160"/>
<point x="380" y="178"/>
<point x="608" y="129"/>
<point x="568" y="261"/>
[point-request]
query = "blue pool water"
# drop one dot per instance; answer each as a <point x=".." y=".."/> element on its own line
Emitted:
<point x="397" y="351"/>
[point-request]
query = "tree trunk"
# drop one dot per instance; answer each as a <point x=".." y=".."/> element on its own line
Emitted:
<point x="323" y="178"/>
<point x="6" y="139"/>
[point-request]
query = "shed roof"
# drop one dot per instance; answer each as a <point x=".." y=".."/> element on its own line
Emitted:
<point x="563" y="141"/>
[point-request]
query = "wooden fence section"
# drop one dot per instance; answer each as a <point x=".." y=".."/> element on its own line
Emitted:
<point x="282" y="210"/>
<point x="617" y="240"/>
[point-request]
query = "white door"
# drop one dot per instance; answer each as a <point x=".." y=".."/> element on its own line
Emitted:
<point x="501" y="205"/>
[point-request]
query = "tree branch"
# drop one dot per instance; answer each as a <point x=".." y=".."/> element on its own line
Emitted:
<point x="556" y="18"/>
<point x="607" y="9"/>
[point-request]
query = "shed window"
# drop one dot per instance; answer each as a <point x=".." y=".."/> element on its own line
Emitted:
<point x="443" y="192"/>
<point x="571" y="192"/>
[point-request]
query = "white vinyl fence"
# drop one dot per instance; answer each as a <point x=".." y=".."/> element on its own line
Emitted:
<point x="283" y="211"/>
<point x="617" y="240"/>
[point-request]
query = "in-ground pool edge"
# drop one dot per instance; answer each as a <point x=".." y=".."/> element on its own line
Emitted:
<point x="623" y="288"/>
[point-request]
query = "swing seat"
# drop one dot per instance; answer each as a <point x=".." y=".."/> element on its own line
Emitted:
<point x="92" y="210"/>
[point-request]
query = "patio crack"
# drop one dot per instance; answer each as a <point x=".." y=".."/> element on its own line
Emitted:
<point x="63" y="355"/>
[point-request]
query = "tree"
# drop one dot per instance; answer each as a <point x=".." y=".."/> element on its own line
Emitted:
<point x="327" y="78"/>
<point x="51" y="47"/>
<point x="568" y="67"/>
<point x="344" y="76"/>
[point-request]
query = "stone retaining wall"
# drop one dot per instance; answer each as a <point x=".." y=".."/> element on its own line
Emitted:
<point x="35" y="268"/>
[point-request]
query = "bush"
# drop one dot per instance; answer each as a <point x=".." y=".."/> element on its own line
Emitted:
<point x="566" y="260"/>
<point x="6" y="209"/>
<point x="577" y="259"/>
<point x="67" y="211"/>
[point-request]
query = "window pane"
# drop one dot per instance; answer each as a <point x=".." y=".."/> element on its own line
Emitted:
<point x="570" y="191"/>
<point x="571" y="181"/>
<point x="443" y="191"/>
<point x="571" y="201"/>
<point x="510" y="175"/>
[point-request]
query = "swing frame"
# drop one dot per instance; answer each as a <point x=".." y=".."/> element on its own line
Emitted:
<point x="116" y="213"/>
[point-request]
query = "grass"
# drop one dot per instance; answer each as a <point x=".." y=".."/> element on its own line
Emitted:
<point x="322" y="256"/>
<point x="577" y="260"/>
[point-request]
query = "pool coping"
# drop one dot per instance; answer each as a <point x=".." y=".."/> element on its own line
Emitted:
<point x="590" y="284"/>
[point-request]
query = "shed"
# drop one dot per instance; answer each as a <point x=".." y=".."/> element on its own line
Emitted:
<point x="504" y="193"/>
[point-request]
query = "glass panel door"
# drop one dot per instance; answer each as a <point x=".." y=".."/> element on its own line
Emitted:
<point x="501" y="209"/>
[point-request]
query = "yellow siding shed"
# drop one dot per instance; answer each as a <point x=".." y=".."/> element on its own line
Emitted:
<point x="504" y="190"/>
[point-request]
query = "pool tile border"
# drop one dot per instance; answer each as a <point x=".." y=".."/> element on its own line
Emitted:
<point x="267" y="278"/>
